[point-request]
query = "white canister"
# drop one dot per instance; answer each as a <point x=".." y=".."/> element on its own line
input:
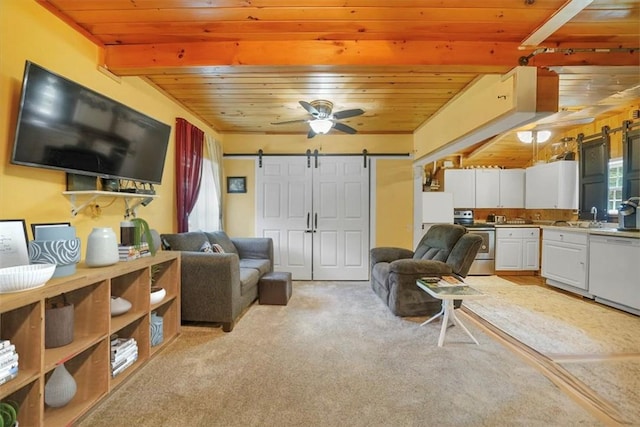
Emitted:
<point x="102" y="247"/>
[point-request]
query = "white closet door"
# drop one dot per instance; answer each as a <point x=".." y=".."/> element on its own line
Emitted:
<point x="284" y="212"/>
<point x="341" y="219"/>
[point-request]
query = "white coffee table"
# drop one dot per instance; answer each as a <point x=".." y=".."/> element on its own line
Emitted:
<point x="448" y="294"/>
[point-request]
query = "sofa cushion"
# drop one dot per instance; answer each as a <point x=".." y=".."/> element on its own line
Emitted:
<point x="221" y="238"/>
<point x="191" y="241"/>
<point x="249" y="278"/>
<point x="262" y="265"/>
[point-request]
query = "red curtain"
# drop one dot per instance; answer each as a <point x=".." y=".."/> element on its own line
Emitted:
<point x="189" y="147"/>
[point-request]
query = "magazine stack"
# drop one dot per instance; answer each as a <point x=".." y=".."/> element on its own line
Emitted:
<point x="8" y="361"/>
<point x="129" y="253"/>
<point x="124" y="353"/>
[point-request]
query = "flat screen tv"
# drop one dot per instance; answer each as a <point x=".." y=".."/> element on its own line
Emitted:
<point x="66" y="126"/>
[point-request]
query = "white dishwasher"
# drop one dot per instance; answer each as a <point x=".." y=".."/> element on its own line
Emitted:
<point x="614" y="269"/>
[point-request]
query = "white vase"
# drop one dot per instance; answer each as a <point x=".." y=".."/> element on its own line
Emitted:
<point x="60" y="388"/>
<point x="102" y="247"/>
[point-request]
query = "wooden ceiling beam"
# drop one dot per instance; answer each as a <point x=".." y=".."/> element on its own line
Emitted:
<point x="145" y="59"/>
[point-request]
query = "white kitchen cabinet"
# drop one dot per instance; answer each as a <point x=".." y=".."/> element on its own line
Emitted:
<point x="512" y="188"/>
<point x="614" y="268"/>
<point x="462" y="183"/>
<point x="517" y="249"/>
<point x="552" y="186"/>
<point x="565" y="261"/>
<point x="487" y="188"/>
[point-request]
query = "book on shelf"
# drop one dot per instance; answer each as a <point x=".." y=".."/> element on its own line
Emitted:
<point x="118" y="344"/>
<point x="128" y="363"/>
<point x="116" y="357"/>
<point x="8" y="374"/>
<point x="129" y="253"/>
<point x="11" y="348"/>
<point x="13" y="358"/>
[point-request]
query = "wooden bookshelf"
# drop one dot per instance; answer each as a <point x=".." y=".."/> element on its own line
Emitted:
<point x="87" y="357"/>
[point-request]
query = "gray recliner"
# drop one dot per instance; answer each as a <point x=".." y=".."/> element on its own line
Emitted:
<point x="444" y="249"/>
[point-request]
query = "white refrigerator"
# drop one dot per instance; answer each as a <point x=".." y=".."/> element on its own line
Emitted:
<point x="437" y="208"/>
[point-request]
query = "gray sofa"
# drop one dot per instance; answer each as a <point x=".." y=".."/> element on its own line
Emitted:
<point x="444" y="249"/>
<point x="217" y="287"/>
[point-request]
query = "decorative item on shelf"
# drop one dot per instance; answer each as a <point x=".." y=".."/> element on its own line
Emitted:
<point x="156" y="329"/>
<point x="9" y="413"/>
<point x="102" y="247"/>
<point x="157" y="295"/>
<point x="119" y="306"/>
<point x="25" y="277"/>
<point x="60" y="387"/>
<point x="55" y="244"/>
<point x="58" y="322"/>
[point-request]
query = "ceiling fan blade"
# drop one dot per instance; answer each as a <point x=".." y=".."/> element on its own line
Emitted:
<point x="310" y="108"/>
<point x="311" y="134"/>
<point x="347" y="113"/>
<point x="344" y="128"/>
<point x="290" y="121"/>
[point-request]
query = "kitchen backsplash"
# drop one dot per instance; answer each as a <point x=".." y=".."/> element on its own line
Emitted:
<point x="480" y="214"/>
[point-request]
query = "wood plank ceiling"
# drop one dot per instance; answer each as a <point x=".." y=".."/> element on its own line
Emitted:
<point x="242" y="64"/>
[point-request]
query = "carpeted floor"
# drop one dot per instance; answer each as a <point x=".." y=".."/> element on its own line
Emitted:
<point x="598" y="345"/>
<point x="335" y="356"/>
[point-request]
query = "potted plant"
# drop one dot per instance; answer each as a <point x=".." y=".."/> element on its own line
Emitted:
<point x="9" y="414"/>
<point x="142" y="230"/>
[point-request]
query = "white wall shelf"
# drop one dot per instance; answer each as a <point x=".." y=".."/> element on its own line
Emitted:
<point x="81" y="199"/>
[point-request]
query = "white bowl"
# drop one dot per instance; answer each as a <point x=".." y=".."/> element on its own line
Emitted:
<point x="25" y="277"/>
<point x="119" y="306"/>
<point x="157" y="295"/>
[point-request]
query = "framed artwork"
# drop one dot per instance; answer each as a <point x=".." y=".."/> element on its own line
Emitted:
<point x="236" y="184"/>
<point x="13" y="243"/>
<point x="35" y="227"/>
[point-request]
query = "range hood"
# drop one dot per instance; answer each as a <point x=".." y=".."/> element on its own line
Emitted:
<point x="491" y="105"/>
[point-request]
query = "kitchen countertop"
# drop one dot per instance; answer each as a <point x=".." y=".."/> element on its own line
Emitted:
<point x="607" y="230"/>
<point x="604" y="231"/>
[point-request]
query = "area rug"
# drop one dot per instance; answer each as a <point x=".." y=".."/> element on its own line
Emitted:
<point x="335" y="355"/>
<point x="598" y="345"/>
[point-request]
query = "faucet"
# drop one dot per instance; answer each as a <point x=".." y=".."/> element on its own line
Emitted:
<point x="594" y="211"/>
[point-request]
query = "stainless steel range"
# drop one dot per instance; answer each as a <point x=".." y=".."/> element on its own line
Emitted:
<point x="484" y="263"/>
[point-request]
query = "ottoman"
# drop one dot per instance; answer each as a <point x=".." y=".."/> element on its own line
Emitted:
<point x="275" y="288"/>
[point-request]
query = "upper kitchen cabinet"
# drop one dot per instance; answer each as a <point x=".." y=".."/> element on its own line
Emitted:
<point x="462" y="184"/>
<point x="552" y="186"/>
<point x="499" y="188"/>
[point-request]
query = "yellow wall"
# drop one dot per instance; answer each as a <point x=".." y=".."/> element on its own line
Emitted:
<point x="29" y="32"/>
<point x="394" y="189"/>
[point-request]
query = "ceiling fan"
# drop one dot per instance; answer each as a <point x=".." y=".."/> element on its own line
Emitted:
<point x="324" y="119"/>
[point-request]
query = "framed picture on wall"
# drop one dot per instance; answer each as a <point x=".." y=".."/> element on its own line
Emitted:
<point x="236" y="184"/>
<point x="13" y="243"/>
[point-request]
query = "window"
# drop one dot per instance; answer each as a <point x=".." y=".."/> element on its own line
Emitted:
<point x="614" y="198"/>
<point x="205" y="215"/>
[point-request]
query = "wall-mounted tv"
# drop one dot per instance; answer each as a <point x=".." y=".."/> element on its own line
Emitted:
<point x="66" y="126"/>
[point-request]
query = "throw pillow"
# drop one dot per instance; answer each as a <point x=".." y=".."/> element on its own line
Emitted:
<point x="217" y="248"/>
<point x="206" y="247"/>
<point x="221" y="238"/>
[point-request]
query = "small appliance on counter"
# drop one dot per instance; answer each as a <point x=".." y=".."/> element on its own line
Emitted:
<point x="628" y="217"/>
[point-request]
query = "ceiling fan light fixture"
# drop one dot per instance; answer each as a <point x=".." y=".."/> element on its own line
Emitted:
<point x="527" y="136"/>
<point x="321" y="126"/>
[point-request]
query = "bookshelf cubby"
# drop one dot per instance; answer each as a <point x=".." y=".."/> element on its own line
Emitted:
<point x="87" y="357"/>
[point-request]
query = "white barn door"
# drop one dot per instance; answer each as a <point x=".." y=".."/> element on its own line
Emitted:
<point x="341" y="219"/>
<point x="284" y="212"/>
<point x="318" y="217"/>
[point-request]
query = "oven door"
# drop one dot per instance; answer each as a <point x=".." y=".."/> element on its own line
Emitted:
<point x="484" y="263"/>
